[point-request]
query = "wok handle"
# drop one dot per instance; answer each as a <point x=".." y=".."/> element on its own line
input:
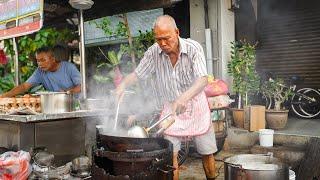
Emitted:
<point x="168" y="171"/>
<point x="158" y="122"/>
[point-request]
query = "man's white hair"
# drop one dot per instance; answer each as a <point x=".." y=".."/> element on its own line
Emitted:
<point x="170" y="21"/>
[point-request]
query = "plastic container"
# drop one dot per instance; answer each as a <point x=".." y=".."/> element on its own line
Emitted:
<point x="292" y="175"/>
<point x="266" y="137"/>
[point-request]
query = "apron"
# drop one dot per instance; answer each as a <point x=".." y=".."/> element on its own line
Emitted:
<point x="194" y="121"/>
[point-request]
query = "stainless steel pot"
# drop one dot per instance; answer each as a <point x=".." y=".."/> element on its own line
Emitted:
<point x="55" y="102"/>
<point x="255" y="167"/>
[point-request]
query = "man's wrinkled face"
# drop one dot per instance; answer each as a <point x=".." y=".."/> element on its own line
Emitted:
<point x="167" y="38"/>
<point x="45" y="60"/>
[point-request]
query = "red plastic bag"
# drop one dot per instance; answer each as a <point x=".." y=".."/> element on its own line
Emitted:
<point x="15" y="165"/>
<point x="215" y="87"/>
<point x="3" y="57"/>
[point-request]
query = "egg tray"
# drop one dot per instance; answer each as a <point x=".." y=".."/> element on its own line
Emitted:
<point x="15" y="103"/>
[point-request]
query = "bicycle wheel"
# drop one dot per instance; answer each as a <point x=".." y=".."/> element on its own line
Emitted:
<point x="306" y="103"/>
<point x="183" y="153"/>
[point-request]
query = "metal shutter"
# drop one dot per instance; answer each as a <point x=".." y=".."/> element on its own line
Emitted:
<point x="289" y="43"/>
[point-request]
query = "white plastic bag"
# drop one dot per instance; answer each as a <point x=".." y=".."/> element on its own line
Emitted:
<point x="15" y="165"/>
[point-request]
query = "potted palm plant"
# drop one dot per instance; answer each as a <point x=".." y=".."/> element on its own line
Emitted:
<point x="276" y="93"/>
<point x="245" y="80"/>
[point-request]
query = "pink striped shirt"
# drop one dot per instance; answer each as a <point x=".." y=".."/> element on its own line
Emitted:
<point x="170" y="82"/>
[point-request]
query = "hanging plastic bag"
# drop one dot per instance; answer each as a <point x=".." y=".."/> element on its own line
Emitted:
<point x="220" y="101"/>
<point x="215" y="87"/>
<point x="15" y="165"/>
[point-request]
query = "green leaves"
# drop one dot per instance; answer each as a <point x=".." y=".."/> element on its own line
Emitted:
<point x="6" y="83"/>
<point x="242" y="68"/>
<point x="276" y="90"/>
<point x="104" y="70"/>
<point x="121" y="30"/>
<point x="113" y="58"/>
<point x="142" y="42"/>
<point x="101" y="79"/>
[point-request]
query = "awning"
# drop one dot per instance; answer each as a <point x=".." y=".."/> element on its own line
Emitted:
<point x="56" y="11"/>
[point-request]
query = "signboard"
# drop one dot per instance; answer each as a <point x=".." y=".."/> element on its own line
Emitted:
<point x="20" y="17"/>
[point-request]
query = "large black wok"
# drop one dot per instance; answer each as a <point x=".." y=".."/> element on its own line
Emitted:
<point x="129" y="144"/>
<point x="117" y="141"/>
<point x="139" y="158"/>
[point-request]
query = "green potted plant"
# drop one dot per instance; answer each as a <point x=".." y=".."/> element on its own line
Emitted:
<point x="276" y="93"/>
<point x="245" y="80"/>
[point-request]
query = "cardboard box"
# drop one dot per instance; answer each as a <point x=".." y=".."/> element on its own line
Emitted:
<point x="254" y="117"/>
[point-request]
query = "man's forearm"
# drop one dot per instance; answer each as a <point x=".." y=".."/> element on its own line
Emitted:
<point x="17" y="90"/>
<point x="76" y="89"/>
<point x="128" y="81"/>
<point x="195" y="89"/>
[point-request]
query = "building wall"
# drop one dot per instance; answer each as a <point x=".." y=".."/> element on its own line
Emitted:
<point x="246" y="21"/>
<point x="226" y="35"/>
<point x="221" y="23"/>
<point x="197" y="21"/>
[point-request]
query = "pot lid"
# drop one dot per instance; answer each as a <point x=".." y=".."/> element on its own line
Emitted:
<point x="255" y="162"/>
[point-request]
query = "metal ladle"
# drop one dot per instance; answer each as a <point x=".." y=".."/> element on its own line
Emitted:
<point x="116" y="115"/>
<point x="141" y="132"/>
<point x="118" y="107"/>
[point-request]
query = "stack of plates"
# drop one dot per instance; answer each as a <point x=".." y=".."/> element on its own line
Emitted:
<point x="81" y="4"/>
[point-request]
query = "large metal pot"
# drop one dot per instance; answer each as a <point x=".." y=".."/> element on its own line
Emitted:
<point x="255" y="167"/>
<point x="55" y="102"/>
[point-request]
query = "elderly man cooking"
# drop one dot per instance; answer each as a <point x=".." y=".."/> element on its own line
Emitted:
<point x="52" y="72"/>
<point x="179" y="68"/>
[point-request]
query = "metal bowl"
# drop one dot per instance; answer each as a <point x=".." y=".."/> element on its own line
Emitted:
<point x="43" y="158"/>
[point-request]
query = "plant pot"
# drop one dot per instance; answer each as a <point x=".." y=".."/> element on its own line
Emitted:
<point x="238" y="117"/>
<point x="276" y="119"/>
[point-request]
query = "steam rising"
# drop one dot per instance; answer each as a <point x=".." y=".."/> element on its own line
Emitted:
<point x="140" y="104"/>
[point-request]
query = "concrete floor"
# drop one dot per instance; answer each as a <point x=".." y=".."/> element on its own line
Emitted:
<point x="192" y="168"/>
<point x="306" y="127"/>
